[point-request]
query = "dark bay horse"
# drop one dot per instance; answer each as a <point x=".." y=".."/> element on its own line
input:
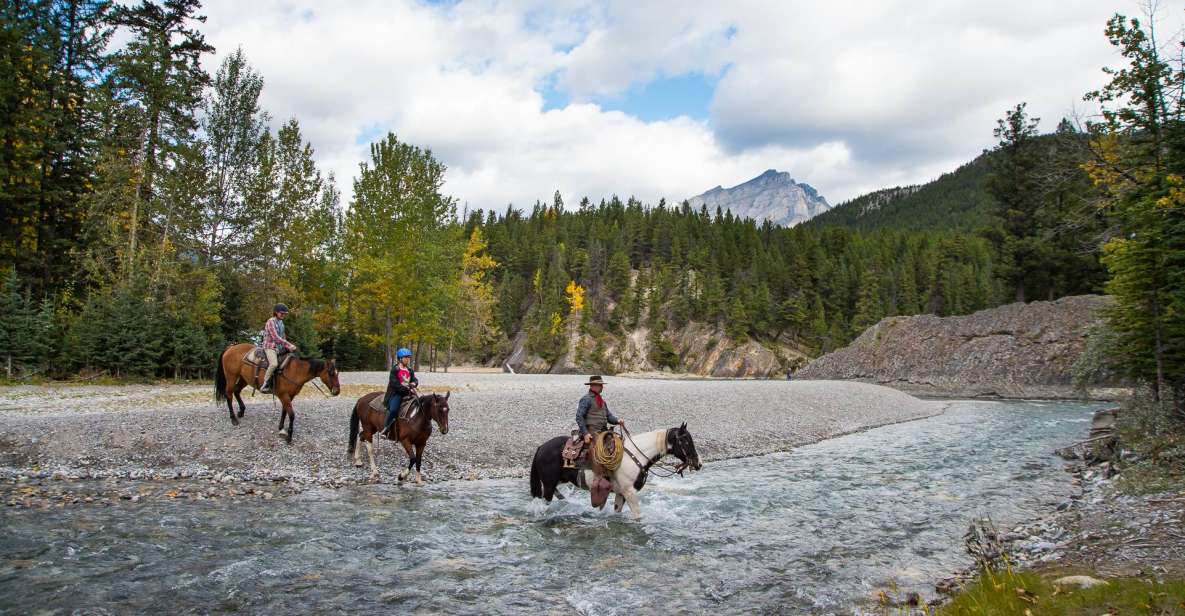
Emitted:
<point x="643" y="452"/>
<point x="298" y="372"/>
<point x="411" y="432"/>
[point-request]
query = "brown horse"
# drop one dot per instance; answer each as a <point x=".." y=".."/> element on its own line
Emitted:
<point x="287" y="384"/>
<point x="412" y="431"/>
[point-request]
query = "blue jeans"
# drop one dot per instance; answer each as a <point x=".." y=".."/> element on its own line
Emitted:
<point x="393" y="408"/>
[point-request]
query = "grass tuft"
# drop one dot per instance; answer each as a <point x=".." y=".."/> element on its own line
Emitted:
<point x="1029" y="593"/>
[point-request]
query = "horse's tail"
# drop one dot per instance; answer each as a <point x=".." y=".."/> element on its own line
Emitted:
<point x="219" y="380"/>
<point x="536" y="480"/>
<point x="354" y="421"/>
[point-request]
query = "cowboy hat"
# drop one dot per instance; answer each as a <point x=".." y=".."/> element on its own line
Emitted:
<point x="595" y="380"/>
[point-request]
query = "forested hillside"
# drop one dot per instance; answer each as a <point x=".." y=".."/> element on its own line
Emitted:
<point x="955" y="201"/>
<point x="961" y="199"/>
<point x="662" y="267"/>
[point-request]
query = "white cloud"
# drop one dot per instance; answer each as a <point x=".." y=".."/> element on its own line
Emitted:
<point x="848" y="96"/>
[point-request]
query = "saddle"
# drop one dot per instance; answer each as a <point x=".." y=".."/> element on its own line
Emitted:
<point x="258" y="357"/>
<point x="575" y="454"/>
<point x="405" y="408"/>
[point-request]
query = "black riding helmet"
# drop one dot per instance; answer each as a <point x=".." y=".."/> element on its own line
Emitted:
<point x="280" y="308"/>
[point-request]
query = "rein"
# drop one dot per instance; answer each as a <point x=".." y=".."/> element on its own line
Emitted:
<point x="312" y="378"/>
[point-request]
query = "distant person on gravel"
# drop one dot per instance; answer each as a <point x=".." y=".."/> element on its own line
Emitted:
<point x="401" y="383"/>
<point x="273" y="340"/>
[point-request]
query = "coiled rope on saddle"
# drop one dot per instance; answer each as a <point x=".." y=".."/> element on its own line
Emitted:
<point x="602" y="455"/>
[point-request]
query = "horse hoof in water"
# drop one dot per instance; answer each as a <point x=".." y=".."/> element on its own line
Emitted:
<point x="283" y="433"/>
<point x="358" y="464"/>
<point x="241" y="411"/>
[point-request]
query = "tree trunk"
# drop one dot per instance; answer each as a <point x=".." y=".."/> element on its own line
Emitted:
<point x="432" y="358"/>
<point x="387" y="338"/>
<point x="416" y="356"/>
<point x="448" y="356"/>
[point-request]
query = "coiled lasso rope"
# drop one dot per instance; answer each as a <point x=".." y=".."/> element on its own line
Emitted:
<point x="601" y="455"/>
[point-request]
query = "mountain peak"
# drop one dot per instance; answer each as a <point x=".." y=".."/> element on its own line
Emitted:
<point x="772" y="196"/>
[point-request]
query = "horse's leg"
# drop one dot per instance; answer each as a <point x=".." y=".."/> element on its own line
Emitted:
<point x="618" y="502"/>
<point x="419" y="458"/>
<point x="291" y="419"/>
<point x="286" y="411"/>
<point x="365" y="438"/>
<point x="229" y="403"/>
<point x="374" y="469"/>
<point x="239" y="385"/>
<point x="631" y="497"/>
<point x="411" y="460"/>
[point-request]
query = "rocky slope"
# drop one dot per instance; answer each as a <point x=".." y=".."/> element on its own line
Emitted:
<point x="1016" y="351"/>
<point x="772" y="196"/>
<point x="702" y="350"/>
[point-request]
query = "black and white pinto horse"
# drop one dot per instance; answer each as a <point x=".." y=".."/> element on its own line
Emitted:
<point x="643" y="451"/>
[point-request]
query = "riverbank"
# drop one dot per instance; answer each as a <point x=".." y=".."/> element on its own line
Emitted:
<point x="1116" y="542"/>
<point x="67" y="444"/>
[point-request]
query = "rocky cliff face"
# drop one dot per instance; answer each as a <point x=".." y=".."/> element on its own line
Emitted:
<point x="702" y="350"/>
<point x="772" y="196"/>
<point x="1018" y="350"/>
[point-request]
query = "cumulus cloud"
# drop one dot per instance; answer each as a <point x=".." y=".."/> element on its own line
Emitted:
<point x="848" y="96"/>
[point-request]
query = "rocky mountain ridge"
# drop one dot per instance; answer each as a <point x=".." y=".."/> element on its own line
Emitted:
<point x="772" y="196"/>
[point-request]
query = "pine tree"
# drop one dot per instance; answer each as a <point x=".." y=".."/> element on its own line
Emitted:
<point x="160" y="71"/>
<point x="232" y="224"/>
<point x="1013" y="182"/>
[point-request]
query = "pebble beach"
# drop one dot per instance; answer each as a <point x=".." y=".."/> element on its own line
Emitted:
<point x="159" y="432"/>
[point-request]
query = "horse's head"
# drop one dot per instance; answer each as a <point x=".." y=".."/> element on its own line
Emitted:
<point x="682" y="446"/>
<point x="328" y="376"/>
<point x="439" y="411"/>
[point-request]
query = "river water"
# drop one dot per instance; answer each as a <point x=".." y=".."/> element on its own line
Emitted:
<point x="815" y="530"/>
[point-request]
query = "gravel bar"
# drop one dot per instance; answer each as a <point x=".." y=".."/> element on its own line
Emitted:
<point x="496" y="422"/>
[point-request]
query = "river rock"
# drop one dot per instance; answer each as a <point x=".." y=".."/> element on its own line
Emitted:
<point x="1018" y="351"/>
<point x="1081" y="581"/>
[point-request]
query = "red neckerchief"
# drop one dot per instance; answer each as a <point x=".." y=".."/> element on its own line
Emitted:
<point x="600" y="401"/>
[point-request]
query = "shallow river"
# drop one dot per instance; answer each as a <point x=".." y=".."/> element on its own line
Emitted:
<point x="814" y="530"/>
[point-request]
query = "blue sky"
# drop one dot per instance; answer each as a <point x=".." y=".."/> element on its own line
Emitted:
<point x="663" y="98"/>
<point x="666" y="98"/>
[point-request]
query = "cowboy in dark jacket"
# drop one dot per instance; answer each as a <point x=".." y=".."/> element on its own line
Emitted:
<point x="592" y="414"/>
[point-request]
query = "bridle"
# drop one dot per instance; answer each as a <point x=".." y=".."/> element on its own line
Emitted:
<point x="332" y="374"/>
<point x="670" y="470"/>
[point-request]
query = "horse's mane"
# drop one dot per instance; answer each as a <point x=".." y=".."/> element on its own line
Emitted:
<point x="315" y="365"/>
